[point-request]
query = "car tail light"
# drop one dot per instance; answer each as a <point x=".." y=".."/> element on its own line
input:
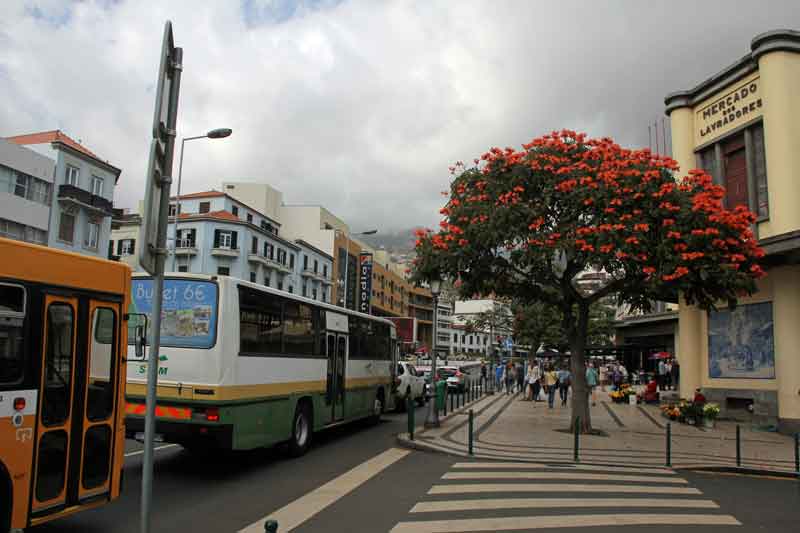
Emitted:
<point x="19" y="404"/>
<point x="212" y="414"/>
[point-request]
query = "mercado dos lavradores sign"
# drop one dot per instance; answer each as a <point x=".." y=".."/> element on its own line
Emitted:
<point x="364" y="282"/>
<point x="725" y="111"/>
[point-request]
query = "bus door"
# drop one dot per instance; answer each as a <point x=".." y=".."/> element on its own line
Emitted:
<point x="337" y="378"/>
<point x="78" y="390"/>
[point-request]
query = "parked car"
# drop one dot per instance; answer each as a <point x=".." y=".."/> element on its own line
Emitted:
<point x="456" y="380"/>
<point x="409" y="384"/>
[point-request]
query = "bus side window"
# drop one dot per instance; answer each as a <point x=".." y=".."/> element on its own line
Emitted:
<point x="58" y="364"/>
<point x="12" y="312"/>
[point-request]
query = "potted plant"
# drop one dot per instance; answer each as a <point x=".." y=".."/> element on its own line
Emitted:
<point x="710" y="414"/>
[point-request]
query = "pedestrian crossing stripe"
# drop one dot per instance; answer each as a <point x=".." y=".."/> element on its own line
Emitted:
<point x="563" y="476"/>
<point x="476" y="488"/>
<point x="488" y="504"/>
<point x="529" y="466"/>
<point x="562" y="521"/>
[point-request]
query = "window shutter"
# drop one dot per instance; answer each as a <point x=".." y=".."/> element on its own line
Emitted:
<point x="233" y="240"/>
<point x="119" y="247"/>
<point x="216" y="238"/>
<point x="111" y="249"/>
<point x="133" y="246"/>
<point x="192" y="235"/>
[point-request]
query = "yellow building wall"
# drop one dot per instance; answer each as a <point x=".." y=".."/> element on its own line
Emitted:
<point x="780" y="80"/>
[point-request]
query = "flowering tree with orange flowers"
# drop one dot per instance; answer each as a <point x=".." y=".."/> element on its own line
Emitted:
<point x="523" y="224"/>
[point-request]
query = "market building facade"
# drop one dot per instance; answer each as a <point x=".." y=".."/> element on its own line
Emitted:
<point x="742" y="125"/>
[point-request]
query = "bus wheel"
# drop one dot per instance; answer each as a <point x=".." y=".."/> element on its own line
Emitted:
<point x="301" y="430"/>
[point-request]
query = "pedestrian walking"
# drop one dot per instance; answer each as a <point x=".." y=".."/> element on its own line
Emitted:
<point x="591" y="382"/>
<point x="520" y="378"/>
<point x="676" y="374"/>
<point x="662" y="372"/>
<point x="535" y="381"/>
<point x="498" y="377"/>
<point x="550" y="383"/>
<point x="564" y="379"/>
<point x="603" y="376"/>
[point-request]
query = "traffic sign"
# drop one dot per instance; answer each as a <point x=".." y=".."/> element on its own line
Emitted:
<point x="162" y="145"/>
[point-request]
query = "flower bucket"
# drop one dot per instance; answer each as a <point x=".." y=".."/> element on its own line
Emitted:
<point x="708" y="423"/>
<point x="632" y="399"/>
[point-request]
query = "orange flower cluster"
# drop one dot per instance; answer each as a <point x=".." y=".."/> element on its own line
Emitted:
<point x="679" y="272"/>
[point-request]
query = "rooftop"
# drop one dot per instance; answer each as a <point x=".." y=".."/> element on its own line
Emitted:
<point x="50" y="137"/>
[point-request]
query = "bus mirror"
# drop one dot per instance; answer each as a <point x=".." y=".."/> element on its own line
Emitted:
<point x="139" y="342"/>
<point x="137" y="334"/>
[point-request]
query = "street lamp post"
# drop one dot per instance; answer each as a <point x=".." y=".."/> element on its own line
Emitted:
<point x="219" y="133"/>
<point x="347" y="259"/>
<point x="432" y="420"/>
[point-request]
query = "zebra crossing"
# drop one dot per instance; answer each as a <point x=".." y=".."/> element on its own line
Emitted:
<point x="505" y="496"/>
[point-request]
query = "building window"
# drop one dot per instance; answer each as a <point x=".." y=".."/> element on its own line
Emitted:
<point x="21" y="186"/>
<point x="250" y="218"/>
<point x="281" y="256"/>
<point x="313" y="294"/>
<point x="305" y="262"/>
<point x="455" y="337"/>
<point x="291" y="289"/>
<point x="738" y="162"/>
<point x="280" y="284"/>
<point x="268" y="250"/>
<point x="205" y="207"/>
<point x="72" y="176"/>
<point x="253" y="277"/>
<point x="316" y="266"/>
<point x="291" y="261"/>
<point x="304" y="289"/>
<point x="66" y="227"/>
<point x="463" y="339"/>
<point x="126" y="246"/>
<point x="266" y="279"/>
<point x="235" y="211"/>
<point x="223" y="271"/>
<point x="186" y="238"/>
<point x="225" y="239"/>
<point x="325" y="270"/>
<point x="324" y="295"/>
<point x="183" y="268"/>
<point x="254" y="245"/>
<point x="97" y="186"/>
<point x="172" y="210"/>
<point x="92" y="235"/>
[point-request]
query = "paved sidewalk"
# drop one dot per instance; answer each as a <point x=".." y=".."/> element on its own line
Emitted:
<point x="507" y="428"/>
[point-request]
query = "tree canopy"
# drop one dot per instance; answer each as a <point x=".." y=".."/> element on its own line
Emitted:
<point x="524" y="223"/>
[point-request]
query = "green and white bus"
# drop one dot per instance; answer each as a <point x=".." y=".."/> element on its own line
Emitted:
<point x="243" y="366"/>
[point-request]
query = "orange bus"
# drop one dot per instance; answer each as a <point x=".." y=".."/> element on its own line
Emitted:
<point x="62" y="377"/>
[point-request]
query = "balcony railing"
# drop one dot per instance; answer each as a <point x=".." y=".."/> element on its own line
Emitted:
<point x="84" y="198"/>
<point x="225" y="251"/>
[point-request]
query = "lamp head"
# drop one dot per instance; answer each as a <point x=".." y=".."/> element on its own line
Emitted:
<point x="436" y="286"/>
<point x="219" y="133"/>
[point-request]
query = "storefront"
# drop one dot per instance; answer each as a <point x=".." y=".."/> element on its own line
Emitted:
<point x="742" y="125"/>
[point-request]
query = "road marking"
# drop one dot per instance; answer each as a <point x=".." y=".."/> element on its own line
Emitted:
<point x="558" y="487"/>
<point x="562" y="476"/>
<point x="522" y="466"/>
<point x="139" y="452"/>
<point x="556" y="503"/>
<point x="303" y="508"/>
<point x="560" y="521"/>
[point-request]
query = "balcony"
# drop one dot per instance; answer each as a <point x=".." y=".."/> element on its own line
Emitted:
<point x="69" y="194"/>
<point x="326" y="280"/>
<point x="185" y="247"/>
<point x="256" y="258"/>
<point x="225" y="251"/>
<point x="280" y="267"/>
<point x="308" y="273"/>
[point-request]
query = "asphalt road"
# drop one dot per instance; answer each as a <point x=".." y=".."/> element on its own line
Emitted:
<point x="224" y="494"/>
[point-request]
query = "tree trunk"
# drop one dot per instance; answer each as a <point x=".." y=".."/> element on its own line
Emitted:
<point x="576" y="334"/>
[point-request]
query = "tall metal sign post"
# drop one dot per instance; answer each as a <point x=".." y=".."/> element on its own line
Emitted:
<point x="153" y="251"/>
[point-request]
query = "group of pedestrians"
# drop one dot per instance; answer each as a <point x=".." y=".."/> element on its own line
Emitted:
<point x="548" y="379"/>
<point x="668" y="374"/>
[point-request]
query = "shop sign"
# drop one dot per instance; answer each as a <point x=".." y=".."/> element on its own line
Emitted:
<point x="723" y="113"/>
<point x="365" y="283"/>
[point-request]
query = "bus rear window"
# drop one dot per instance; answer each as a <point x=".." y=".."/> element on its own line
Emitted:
<point x="12" y="312"/>
<point x="189" y="311"/>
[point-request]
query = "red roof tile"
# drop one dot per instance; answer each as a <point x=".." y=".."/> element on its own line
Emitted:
<point x="206" y="194"/>
<point x="221" y="215"/>
<point x="50" y="137"/>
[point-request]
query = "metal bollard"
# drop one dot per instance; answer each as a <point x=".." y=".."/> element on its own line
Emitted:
<point x="577" y="433"/>
<point x="411" y="413"/>
<point x="669" y="444"/>
<point x="271" y="526"/>
<point x="471" y="427"/>
<point x="444" y="403"/>
<point x="738" y="445"/>
<point x="452" y="400"/>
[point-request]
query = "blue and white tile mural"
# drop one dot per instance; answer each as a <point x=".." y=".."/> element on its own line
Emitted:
<point x="741" y="343"/>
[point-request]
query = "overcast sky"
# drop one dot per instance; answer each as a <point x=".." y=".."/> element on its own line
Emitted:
<point x="360" y="106"/>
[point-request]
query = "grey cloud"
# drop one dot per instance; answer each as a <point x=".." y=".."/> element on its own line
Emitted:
<point x="361" y="106"/>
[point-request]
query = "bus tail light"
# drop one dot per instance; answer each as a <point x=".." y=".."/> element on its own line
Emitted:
<point x="19" y="404"/>
<point x="212" y="414"/>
